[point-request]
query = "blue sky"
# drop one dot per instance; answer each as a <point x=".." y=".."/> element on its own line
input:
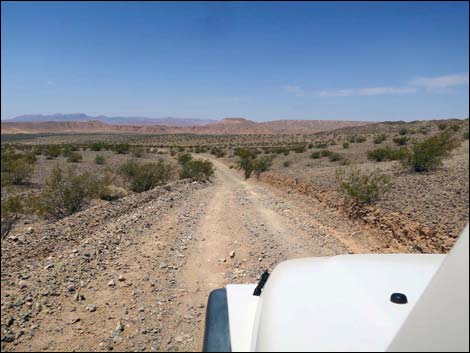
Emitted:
<point x="261" y="61"/>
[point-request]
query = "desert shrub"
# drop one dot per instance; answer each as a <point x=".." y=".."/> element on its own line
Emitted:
<point x="380" y="138"/>
<point x="455" y="128"/>
<point x="11" y="211"/>
<point x="316" y="155"/>
<point x="299" y="148"/>
<point x="200" y="149"/>
<point x="428" y="154"/>
<point x="401" y="141"/>
<point x="378" y="155"/>
<point x="52" y="151"/>
<point x="149" y="175"/>
<point x="30" y="157"/>
<point x="442" y="126"/>
<point x="345" y="145"/>
<point x="112" y="192"/>
<point x="403" y="131"/>
<point x="245" y="161"/>
<point x="184" y="158"/>
<point x="387" y="153"/>
<point x="361" y="139"/>
<point x="334" y="156"/>
<point x="98" y="146"/>
<point x="121" y="148"/>
<point x="423" y="130"/>
<point x="67" y="150"/>
<point x="66" y="193"/>
<point x="129" y="169"/>
<point x="137" y="152"/>
<point x="321" y="145"/>
<point x="246" y="164"/>
<point x="244" y="153"/>
<point x="325" y="153"/>
<point x="362" y="187"/>
<point x="198" y="170"/>
<point x="465" y="135"/>
<point x="74" y="157"/>
<point x="286" y="164"/>
<point x="218" y="152"/>
<point x="99" y="159"/>
<point x="16" y="171"/>
<point x="37" y="149"/>
<point x="351" y="139"/>
<point x="261" y="165"/>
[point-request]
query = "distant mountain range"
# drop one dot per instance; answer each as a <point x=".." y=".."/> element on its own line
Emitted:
<point x="227" y="126"/>
<point x="118" y="120"/>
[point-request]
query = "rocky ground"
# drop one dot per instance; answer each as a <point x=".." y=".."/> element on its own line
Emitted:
<point x="135" y="274"/>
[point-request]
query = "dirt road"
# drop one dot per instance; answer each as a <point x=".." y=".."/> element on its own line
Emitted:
<point x="151" y="292"/>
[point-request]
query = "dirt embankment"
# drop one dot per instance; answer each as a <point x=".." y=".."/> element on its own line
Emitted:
<point x="418" y="237"/>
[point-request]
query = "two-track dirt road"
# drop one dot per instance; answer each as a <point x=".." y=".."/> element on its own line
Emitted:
<point x="151" y="295"/>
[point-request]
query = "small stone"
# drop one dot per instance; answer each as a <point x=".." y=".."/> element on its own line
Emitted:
<point x="119" y="326"/>
<point x="232" y="254"/>
<point x="8" y="338"/>
<point x="91" y="308"/>
<point x="22" y="284"/>
<point x="111" y="283"/>
<point x="10" y="322"/>
<point x="121" y="278"/>
<point x="78" y="297"/>
<point x="48" y="266"/>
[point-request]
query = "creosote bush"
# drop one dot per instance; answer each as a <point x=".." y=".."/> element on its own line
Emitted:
<point x="143" y="177"/>
<point x="100" y="159"/>
<point x="427" y="155"/>
<point x="380" y="138"/>
<point x="362" y="187"/>
<point x="52" y="151"/>
<point x="401" y="141"/>
<point x="316" y="155"/>
<point x="184" y="158"/>
<point x="387" y="154"/>
<point x="121" y="148"/>
<point x="11" y="211"/>
<point x="74" y="157"/>
<point x="261" y="165"/>
<point x="197" y="170"/>
<point x="16" y="168"/>
<point x="66" y="193"/>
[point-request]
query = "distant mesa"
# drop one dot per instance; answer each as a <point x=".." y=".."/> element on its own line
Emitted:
<point x="82" y="123"/>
